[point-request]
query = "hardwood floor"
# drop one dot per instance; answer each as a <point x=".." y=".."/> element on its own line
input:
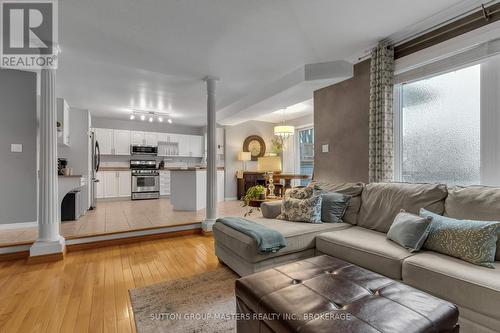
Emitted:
<point x="88" y="291"/>
<point x="124" y="215"/>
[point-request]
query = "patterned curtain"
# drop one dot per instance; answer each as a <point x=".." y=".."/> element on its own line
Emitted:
<point x="381" y="146"/>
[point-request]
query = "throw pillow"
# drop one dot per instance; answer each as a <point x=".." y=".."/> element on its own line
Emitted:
<point x="300" y="192"/>
<point x="334" y="206"/>
<point x="302" y="210"/>
<point x="472" y="241"/>
<point x="409" y="230"/>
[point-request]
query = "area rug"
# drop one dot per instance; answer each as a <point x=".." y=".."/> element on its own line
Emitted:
<point x="201" y="303"/>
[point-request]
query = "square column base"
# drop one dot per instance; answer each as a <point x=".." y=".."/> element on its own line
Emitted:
<point x="43" y="248"/>
<point x="207" y="225"/>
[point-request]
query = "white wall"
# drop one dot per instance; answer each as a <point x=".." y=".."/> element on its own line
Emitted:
<point x="235" y="136"/>
<point x="78" y="153"/>
<point x="18" y="125"/>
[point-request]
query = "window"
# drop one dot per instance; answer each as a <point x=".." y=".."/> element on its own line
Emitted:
<point x="446" y="127"/>
<point x="306" y="153"/>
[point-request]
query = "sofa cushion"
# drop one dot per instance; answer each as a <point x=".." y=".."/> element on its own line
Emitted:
<point x="366" y="248"/>
<point x="474" y="203"/>
<point x="381" y="202"/>
<point x="299" y="237"/>
<point x="467" y="285"/>
<point x="352" y="189"/>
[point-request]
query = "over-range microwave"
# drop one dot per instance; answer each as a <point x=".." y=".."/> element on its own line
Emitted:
<point x="143" y="150"/>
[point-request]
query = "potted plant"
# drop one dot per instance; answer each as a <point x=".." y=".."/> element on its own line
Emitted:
<point x="254" y="193"/>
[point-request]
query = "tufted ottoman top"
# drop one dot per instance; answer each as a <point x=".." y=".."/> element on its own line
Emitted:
<point x="325" y="294"/>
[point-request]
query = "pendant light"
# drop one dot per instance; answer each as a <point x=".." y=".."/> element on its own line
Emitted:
<point x="284" y="131"/>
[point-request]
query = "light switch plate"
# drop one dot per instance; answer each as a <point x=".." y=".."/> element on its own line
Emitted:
<point x="16" y="148"/>
<point x="325" y="148"/>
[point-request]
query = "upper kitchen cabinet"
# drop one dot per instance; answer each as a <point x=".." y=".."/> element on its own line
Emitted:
<point x="121" y="142"/>
<point x="137" y="138"/>
<point x="63" y="137"/>
<point x="196" y="145"/>
<point x="150" y="139"/>
<point x="183" y="145"/>
<point x="105" y="138"/>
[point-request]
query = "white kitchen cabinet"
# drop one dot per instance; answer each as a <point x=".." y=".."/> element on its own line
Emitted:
<point x="150" y="139"/>
<point x="105" y="138"/>
<point x="164" y="182"/>
<point x="110" y="184"/>
<point x="162" y="137"/>
<point x="196" y="146"/>
<point x="137" y="138"/>
<point x="63" y="133"/>
<point x="113" y="184"/>
<point x="184" y="145"/>
<point x="100" y="185"/>
<point x="121" y="142"/>
<point x="124" y="183"/>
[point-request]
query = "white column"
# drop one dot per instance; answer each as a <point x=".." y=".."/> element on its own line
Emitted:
<point x="49" y="240"/>
<point x="211" y="156"/>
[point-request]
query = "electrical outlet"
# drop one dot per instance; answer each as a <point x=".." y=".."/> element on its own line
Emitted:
<point x="325" y="148"/>
<point x="16" y="148"/>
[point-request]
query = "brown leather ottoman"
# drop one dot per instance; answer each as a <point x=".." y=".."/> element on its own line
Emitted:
<point x="325" y="294"/>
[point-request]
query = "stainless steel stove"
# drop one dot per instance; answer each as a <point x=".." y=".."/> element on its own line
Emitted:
<point x="145" y="179"/>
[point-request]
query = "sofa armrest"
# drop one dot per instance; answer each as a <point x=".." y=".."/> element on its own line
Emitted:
<point x="270" y="210"/>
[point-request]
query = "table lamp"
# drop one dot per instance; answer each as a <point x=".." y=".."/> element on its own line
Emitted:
<point x="244" y="156"/>
<point x="269" y="165"/>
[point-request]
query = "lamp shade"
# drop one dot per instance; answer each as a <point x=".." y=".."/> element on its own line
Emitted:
<point x="269" y="164"/>
<point x="244" y="156"/>
<point x="284" y="131"/>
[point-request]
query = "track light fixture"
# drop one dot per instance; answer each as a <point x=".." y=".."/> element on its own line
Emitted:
<point x="151" y="116"/>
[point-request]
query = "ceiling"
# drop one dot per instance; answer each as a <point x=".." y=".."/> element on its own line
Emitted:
<point x="119" y="55"/>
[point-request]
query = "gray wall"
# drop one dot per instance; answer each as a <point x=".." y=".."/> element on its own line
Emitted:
<point x="78" y="153"/>
<point x="341" y="120"/>
<point x="235" y="136"/>
<point x="138" y="125"/>
<point x="18" y="124"/>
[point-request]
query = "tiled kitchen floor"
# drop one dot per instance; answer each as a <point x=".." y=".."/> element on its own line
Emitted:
<point x="124" y="216"/>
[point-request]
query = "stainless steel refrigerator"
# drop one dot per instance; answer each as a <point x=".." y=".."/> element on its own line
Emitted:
<point x="96" y="160"/>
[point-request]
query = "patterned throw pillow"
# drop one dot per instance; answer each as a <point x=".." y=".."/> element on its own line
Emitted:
<point x="301" y="210"/>
<point x="300" y="192"/>
<point x="472" y="241"/>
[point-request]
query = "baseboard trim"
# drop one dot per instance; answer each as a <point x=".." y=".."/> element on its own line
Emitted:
<point x="84" y="243"/>
<point x="19" y="225"/>
<point x="14" y="255"/>
<point x="231" y="199"/>
<point x="46" y="258"/>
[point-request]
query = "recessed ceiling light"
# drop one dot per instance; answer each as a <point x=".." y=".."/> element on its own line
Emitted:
<point x="160" y="119"/>
<point x="132" y="117"/>
<point x="143" y="117"/>
<point x="169" y="120"/>
<point x="150" y="119"/>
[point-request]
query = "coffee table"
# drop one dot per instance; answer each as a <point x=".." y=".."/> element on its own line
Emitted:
<point x="326" y="294"/>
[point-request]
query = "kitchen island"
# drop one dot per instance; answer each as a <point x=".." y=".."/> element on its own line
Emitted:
<point x="189" y="188"/>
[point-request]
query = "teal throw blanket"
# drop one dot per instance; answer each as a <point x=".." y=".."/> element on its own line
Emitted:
<point x="268" y="240"/>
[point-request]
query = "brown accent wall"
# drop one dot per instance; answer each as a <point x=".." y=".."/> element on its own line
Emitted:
<point x="341" y="120"/>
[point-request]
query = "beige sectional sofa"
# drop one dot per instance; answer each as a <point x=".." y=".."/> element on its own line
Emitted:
<point x="362" y="240"/>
